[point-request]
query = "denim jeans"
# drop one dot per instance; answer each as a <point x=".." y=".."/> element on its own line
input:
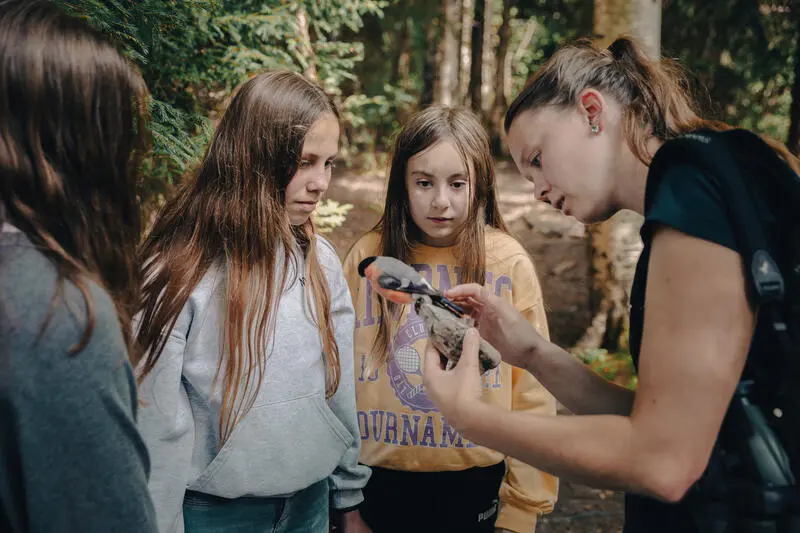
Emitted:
<point x="303" y="512"/>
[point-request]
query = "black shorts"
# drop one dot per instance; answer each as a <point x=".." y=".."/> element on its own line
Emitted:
<point x="464" y="501"/>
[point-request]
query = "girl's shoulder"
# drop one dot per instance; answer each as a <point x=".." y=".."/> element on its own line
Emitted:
<point x="501" y="246"/>
<point x="367" y="245"/>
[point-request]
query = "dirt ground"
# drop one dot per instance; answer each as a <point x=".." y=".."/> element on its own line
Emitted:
<point x="558" y="249"/>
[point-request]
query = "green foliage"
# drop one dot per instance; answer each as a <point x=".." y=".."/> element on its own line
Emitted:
<point x="617" y="367"/>
<point x="193" y="53"/>
<point x="330" y="215"/>
<point x="552" y="22"/>
<point x="371" y="56"/>
<point x="742" y="53"/>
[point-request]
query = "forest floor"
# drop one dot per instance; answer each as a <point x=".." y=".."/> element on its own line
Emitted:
<point x="557" y="246"/>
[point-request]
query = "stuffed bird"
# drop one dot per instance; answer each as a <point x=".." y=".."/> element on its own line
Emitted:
<point x="402" y="284"/>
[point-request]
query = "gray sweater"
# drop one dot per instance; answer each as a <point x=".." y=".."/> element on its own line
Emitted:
<point x="292" y="436"/>
<point x="71" y="458"/>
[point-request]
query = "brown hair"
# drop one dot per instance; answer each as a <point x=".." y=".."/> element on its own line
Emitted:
<point x="73" y="126"/>
<point x="654" y="94"/>
<point x="399" y="233"/>
<point x="232" y="213"/>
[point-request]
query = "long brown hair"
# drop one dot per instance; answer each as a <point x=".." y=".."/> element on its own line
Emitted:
<point x="399" y="234"/>
<point x="73" y="126"/>
<point x="654" y="94"/>
<point x="232" y="213"/>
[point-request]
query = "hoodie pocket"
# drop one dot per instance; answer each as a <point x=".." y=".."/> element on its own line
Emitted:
<point x="277" y="449"/>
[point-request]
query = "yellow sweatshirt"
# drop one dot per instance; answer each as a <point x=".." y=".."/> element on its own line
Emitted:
<point x="400" y="427"/>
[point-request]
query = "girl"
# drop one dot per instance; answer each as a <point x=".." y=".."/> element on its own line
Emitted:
<point x="584" y="131"/>
<point x="72" y="125"/>
<point x="248" y="328"/>
<point x="441" y="215"/>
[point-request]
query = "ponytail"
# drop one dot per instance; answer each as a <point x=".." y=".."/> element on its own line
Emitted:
<point x="654" y="93"/>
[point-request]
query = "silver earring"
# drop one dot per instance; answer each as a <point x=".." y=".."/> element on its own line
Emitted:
<point x="595" y="128"/>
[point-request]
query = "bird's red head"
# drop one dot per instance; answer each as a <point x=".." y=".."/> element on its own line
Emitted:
<point x="368" y="268"/>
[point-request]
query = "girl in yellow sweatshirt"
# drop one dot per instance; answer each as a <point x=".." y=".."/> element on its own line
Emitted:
<point x="441" y="216"/>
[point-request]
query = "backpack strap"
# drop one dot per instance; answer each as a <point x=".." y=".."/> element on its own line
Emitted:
<point x="713" y="154"/>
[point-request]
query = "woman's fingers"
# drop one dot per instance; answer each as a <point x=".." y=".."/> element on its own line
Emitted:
<point x="467" y="290"/>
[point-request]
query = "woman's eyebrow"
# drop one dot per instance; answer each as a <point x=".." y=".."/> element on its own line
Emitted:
<point x="423" y="172"/>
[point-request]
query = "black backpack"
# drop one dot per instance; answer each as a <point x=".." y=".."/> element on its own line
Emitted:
<point x="751" y="482"/>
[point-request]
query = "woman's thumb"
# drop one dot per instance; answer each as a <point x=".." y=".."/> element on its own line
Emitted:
<point x="469" y="352"/>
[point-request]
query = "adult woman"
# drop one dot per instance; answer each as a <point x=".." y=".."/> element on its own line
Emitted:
<point x="584" y="131"/>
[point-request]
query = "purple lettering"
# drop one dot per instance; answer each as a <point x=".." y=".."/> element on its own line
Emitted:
<point x="408" y="431"/>
<point x="498" y="286"/>
<point x="444" y="278"/>
<point x="391" y="428"/>
<point x="450" y="437"/>
<point x="427" y="434"/>
<point x="376" y="427"/>
<point x="363" y="425"/>
<point x="425" y="270"/>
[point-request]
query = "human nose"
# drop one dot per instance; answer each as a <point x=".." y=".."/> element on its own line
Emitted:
<point x="540" y="189"/>
<point x="319" y="180"/>
<point x="441" y="200"/>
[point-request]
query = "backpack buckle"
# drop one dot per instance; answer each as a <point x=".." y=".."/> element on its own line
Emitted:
<point x="766" y="277"/>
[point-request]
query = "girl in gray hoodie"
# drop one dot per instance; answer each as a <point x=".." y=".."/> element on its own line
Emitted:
<point x="247" y="328"/>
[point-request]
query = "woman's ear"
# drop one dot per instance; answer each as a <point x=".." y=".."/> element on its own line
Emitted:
<point x="591" y="105"/>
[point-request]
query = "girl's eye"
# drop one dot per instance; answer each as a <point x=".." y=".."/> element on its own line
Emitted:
<point x="458" y="184"/>
<point x="305" y="163"/>
<point x="536" y="160"/>
<point x="330" y="164"/>
<point x="424" y="183"/>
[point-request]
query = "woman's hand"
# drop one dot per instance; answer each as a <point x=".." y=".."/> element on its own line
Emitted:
<point x="499" y="323"/>
<point x="456" y="392"/>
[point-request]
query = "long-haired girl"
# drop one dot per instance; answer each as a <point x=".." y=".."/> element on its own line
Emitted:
<point x="247" y="326"/>
<point x="442" y="216"/>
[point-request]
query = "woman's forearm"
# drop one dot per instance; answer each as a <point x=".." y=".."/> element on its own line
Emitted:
<point x="598" y="451"/>
<point x="575" y="385"/>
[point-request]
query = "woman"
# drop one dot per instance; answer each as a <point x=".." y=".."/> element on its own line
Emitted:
<point x="72" y="126"/>
<point x="584" y="131"/>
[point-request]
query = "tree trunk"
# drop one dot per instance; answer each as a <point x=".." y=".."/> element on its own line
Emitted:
<point x="640" y="18"/>
<point x="489" y="59"/>
<point x="467" y="13"/>
<point x="614" y="246"/>
<point x="429" y="69"/>
<point x="401" y="65"/>
<point x="306" y="50"/>
<point x="793" y="141"/>
<point x="502" y="74"/>
<point x="476" y="62"/>
<point x="447" y="71"/>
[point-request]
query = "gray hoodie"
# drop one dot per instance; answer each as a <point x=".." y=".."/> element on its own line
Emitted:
<point x="291" y="437"/>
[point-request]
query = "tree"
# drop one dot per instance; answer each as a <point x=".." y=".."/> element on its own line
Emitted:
<point x="793" y="139"/>
<point x="501" y="77"/>
<point x="614" y="245"/>
<point x="192" y="53"/>
<point x="447" y="53"/>
<point x="476" y="61"/>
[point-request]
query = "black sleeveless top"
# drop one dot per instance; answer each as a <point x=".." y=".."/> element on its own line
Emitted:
<point x="689" y="201"/>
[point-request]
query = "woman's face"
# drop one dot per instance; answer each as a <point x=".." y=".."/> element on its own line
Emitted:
<point x="320" y="148"/>
<point x="570" y="165"/>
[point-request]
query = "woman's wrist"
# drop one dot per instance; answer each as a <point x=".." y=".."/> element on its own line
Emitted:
<point x="468" y="416"/>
